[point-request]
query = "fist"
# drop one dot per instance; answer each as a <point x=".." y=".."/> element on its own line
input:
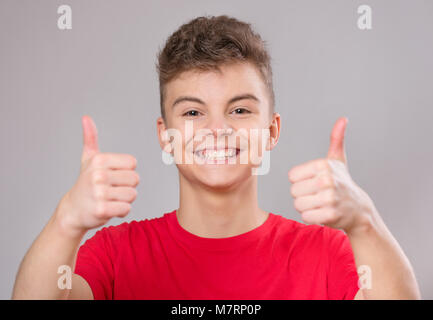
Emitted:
<point x="105" y="188"/>
<point x="324" y="192"/>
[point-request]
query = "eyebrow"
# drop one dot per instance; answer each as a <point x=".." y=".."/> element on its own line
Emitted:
<point x="197" y="100"/>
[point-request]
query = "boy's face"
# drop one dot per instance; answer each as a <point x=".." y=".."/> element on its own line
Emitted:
<point x="217" y="141"/>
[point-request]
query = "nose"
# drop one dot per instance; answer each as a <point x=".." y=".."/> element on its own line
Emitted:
<point x="219" y="126"/>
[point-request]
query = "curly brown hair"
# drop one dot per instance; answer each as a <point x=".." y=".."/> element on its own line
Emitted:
<point x="206" y="42"/>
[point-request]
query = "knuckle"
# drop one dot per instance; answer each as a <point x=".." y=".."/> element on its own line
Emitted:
<point x="99" y="176"/>
<point x="293" y="172"/>
<point x="325" y="181"/>
<point x="290" y="175"/>
<point x="297" y="204"/>
<point x="98" y="160"/>
<point x="133" y="194"/>
<point x="293" y="191"/>
<point x="128" y="207"/>
<point x="323" y="165"/>
<point x="320" y="164"/>
<point x="126" y="210"/>
<point x="137" y="179"/>
<point x="101" y="209"/>
<point x="330" y="198"/>
<point x="133" y="161"/>
<point x="99" y="192"/>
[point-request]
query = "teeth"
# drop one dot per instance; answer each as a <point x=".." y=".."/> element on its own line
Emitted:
<point x="217" y="154"/>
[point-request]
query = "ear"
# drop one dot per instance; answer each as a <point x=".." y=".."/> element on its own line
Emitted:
<point x="162" y="135"/>
<point x="274" y="131"/>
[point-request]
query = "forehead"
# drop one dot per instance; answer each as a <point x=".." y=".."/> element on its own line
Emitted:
<point x="234" y="78"/>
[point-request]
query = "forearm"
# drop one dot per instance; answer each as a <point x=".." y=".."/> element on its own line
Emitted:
<point x="392" y="276"/>
<point x="38" y="275"/>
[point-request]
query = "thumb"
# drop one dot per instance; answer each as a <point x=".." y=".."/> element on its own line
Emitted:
<point x="336" y="148"/>
<point x="90" y="138"/>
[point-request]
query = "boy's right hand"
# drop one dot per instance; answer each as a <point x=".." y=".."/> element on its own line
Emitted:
<point x="104" y="189"/>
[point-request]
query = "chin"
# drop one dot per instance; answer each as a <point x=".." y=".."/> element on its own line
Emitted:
<point x="222" y="178"/>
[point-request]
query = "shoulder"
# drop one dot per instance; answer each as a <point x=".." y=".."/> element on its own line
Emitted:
<point x="308" y="235"/>
<point x="131" y="230"/>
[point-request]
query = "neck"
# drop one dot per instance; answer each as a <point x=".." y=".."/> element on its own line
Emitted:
<point x="212" y="213"/>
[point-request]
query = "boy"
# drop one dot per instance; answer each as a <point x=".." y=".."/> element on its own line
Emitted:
<point x="215" y="75"/>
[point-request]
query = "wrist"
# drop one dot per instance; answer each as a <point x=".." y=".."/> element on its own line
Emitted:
<point x="366" y="224"/>
<point x="62" y="220"/>
<point x="366" y="220"/>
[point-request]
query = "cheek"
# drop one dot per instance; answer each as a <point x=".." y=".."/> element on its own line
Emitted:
<point x="257" y="143"/>
<point x="176" y="137"/>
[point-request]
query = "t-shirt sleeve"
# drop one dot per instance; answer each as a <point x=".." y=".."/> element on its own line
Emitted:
<point x="95" y="264"/>
<point x="342" y="274"/>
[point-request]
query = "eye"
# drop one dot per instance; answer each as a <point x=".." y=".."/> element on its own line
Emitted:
<point x="191" y="113"/>
<point x="241" y="111"/>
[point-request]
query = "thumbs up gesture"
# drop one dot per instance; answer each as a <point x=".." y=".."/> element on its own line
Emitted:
<point x="324" y="192"/>
<point x="104" y="189"/>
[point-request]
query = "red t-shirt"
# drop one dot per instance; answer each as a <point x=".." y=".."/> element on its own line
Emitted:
<point x="158" y="259"/>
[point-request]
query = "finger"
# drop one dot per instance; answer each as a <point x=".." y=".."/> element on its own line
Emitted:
<point x="127" y="178"/>
<point x="90" y="138"/>
<point x="109" y="209"/>
<point x="336" y="148"/>
<point x="109" y="160"/>
<point x="311" y="186"/>
<point x="318" y="216"/>
<point x="321" y="199"/>
<point x="124" y="178"/>
<point x="304" y="188"/>
<point x="126" y="194"/>
<point x="308" y="170"/>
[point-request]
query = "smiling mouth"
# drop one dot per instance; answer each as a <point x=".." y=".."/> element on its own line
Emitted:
<point x="211" y="155"/>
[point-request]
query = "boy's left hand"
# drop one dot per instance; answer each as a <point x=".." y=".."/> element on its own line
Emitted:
<point x="324" y="192"/>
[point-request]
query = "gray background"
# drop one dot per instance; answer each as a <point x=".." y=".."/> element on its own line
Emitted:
<point x="324" y="68"/>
